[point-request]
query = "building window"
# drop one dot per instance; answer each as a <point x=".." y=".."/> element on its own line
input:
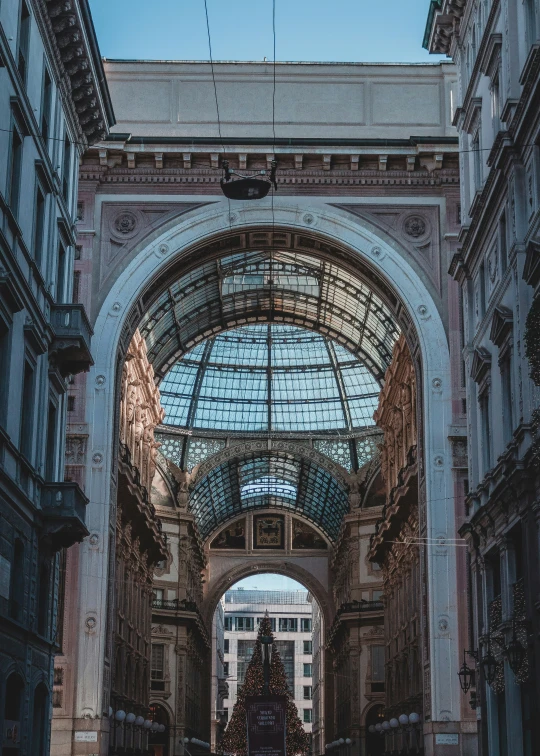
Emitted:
<point x="24" y="41"/>
<point x="530" y="21"/>
<point x="272" y="622"/>
<point x="226" y="646"/>
<point x="43" y="599"/>
<point x="50" y="449"/>
<point x="66" y="168"/>
<point x="307" y="693"/>
<point x="495" y="104"/>
<point x="308" y="716"/>
<point x="377" y="663"/>
<point x="477" y="161"/>
<point x="27" y="411"/>
<point x="39" y="223"/>
<point x="245" y="624"/>
<point x="377" y="595"/>
<point x="305" y="625"/>
<point x="61" y="271"/>
<point x="14" y="171"/>
<point x="288" y="625"/>
<point x="76" y="294"/>
<point x="506" y="384"/>
<point x="158" y="594"/>
<point x="243" y="656"/>
<point x="71" y="403"/>
<point x="286" y="652"/>
<point x="46" y="101"/>
<point x="485" y="428"/>
<point x="503" y="242"/>
<point x="60" y="610"/>
<point x="226" y="669"/>
<point x="4" y="370"/>
<point x="308" y="647"/>
<point x="228" y="624"/>
<point x="482" y="291"/>
<point x="16" y="592"/>
<point x="307" y="670"/>
<point x="157" y="664"/>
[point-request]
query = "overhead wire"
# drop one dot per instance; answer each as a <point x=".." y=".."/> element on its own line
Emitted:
<point x="229" y="213"/>
<point x="273" y="158"/>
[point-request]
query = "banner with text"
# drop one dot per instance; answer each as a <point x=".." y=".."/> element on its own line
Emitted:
<point x="266" y="718"/>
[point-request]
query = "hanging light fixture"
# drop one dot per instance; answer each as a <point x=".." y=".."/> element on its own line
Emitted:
<point x="489" y="665"/>
<point x="515" y="652"/>
<point x="252" y="187"/>
<point x="466" y="675"/>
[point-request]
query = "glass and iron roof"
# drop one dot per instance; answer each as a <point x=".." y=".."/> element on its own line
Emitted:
<point x="277" y="286"/>
<point x="274" y="480"/>
<point x="269" y="378"/>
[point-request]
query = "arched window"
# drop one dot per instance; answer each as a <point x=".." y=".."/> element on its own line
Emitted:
<point x="16" y="592"/>
<point x="12" y="713"/>
<point x="39" y="721"/>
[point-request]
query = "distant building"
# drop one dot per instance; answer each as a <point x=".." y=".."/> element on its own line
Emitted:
<point x="291" y="615"/>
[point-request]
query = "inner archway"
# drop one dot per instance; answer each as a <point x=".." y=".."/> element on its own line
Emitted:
<point x="204" y="239"/>
<point x="298" y="630"/>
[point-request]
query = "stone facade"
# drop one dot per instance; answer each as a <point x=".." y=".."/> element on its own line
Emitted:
<point x="496" y="48"/>
<point x="54" y="103"/>
<point x="151" y="210"/>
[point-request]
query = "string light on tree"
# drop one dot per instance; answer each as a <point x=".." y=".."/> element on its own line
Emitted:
<point x="235" y="737"/>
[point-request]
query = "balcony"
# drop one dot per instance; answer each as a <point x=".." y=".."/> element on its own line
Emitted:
<point x="63" y="508"/>
<point x="70" y="348"/>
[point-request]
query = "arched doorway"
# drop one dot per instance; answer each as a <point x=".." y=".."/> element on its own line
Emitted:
<point x="337" y="240"/>
<point x="159" y="741"/>
<point x="297" y="627"/>
<point x="375" y="743"/>
<point x="13" y="698"/>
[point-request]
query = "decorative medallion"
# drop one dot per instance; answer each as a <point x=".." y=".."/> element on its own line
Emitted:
<point x="415" y="226"/>
<point x="125" y="223"/>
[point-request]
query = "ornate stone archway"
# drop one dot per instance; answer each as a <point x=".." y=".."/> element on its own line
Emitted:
<point x="389" y="273"/>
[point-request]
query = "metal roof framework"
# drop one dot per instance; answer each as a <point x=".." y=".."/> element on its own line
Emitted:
<point x="269" y="481"/>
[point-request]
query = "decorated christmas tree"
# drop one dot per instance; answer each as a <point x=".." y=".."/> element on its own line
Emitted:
<point x="235" y="737"/>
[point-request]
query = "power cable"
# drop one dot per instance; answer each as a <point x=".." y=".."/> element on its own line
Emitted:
<point x="273" y="158"/>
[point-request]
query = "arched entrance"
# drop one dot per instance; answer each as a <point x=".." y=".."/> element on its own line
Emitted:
<point x="327" y="236"/>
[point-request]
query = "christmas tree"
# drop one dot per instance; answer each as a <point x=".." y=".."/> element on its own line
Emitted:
<point x="235" y="737"/>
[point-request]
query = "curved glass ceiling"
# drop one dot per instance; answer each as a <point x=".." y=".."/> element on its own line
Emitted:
<point x="279" y="286"/>
<point x="274" y="480"/>
<point x="269" y="377"/>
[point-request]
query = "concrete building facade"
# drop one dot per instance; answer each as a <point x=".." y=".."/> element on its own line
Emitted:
<point x="495" y="46"/>
<point x="54" y="103"/>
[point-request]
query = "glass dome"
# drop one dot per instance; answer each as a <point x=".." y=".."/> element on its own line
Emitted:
<point x="269" y="377"/>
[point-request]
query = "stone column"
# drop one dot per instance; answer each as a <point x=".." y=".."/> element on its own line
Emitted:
<point x="514" y="726"/>
<point x="491" y="712"/>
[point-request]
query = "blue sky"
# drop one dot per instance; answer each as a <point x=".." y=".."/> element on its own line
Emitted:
<point x="269" y="582"/>
<point x="306" y="30"/>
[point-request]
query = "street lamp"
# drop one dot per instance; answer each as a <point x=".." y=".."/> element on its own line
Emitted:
<point x="515" y="653"/>
<point x="489" y="665"/>
<point x="466" y="675"/>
